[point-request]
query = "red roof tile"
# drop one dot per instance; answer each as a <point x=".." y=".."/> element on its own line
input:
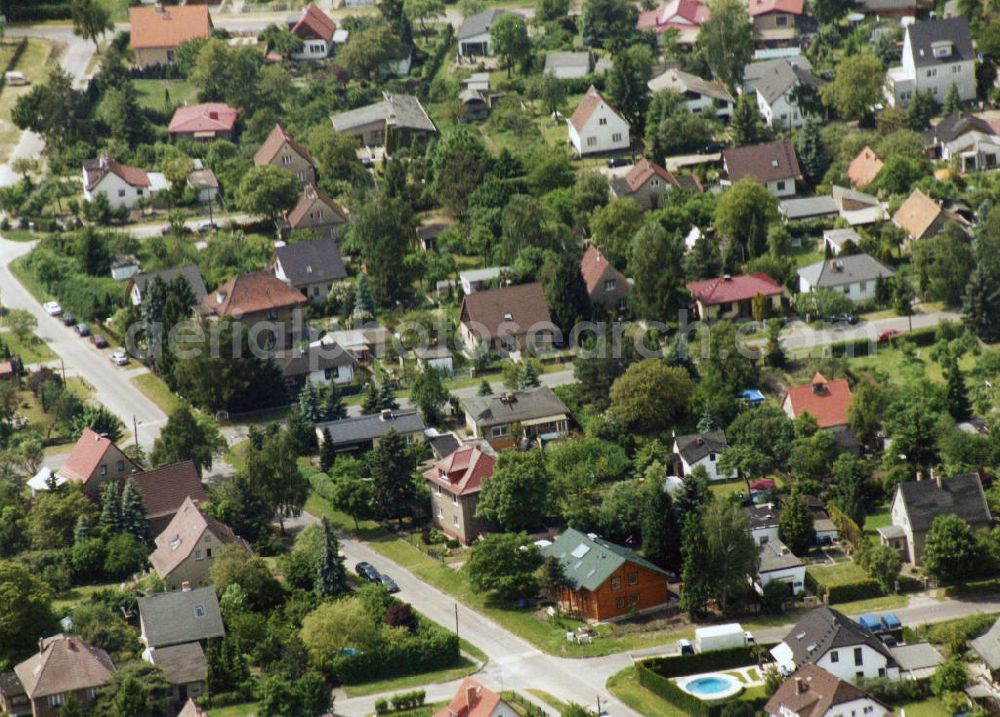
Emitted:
<point x="594" y="266"/>
<point x="681" y="14"/>
<point x="169" y="25"/>
<point x="592" y="99"/>
<point x="179" y="539"/>
<point x="811" y="691"/>
<point x="270" y="147"/>
<point x="164" y="489"/>
<point x="64" y="663"/>
<point x="726" y="290"/>
<point x="463" y="471"/>
<point x="762" y="7"/>
<point x="96" y="170"/>
<point x="86" y="455"/>
<point x="315" y="23"/>
<point x="864" y="168"/>
<point x="826" y="401"/>
<point x="252" y="293"/>
<point x="207" y="117"/>
<point x="471" y="700"/>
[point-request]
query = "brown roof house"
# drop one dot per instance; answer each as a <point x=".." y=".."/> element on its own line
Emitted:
<point x="772" y="164"/>
<point x="268" y="307"/>
<point x="158" y="30"/>
<point x="648" y="184"/>
<point x="121" y="185"/>
<point x="280" y="150"/>
<point x="811" y="691"/>
<point x="455" y="482"/>
<point x="13" y="699"/>
<point x="474" y="700"/>
<point x="606" y="286"/>
<point x="65" y="665"/>
<point x="732" y="296"/>
<point x="516" y="417"/>
<point x="95" y="460"/>
<point x="864" y="168"/>
<point x="596" y="126"/>
<point x="165" y="489"/>
<point x="316" y="214"/>
<point x="315" y="28"/>
<point x="919" y="216"/>
<point x="513" y="318"/>
<point x="187" y="547"/>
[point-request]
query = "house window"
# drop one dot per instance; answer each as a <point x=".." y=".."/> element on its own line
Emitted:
<point x="602" y="121"/>
<point x="170" y="57"/>
<point x="847" y="289"/>
<point x="610" y="285"/>
<point x="860" y="674"/>
<point x="437" y="489"/>
<point x="868" y="710"/>
<point x="104" y="469"/>
<point x="633" y="577"/>
<point x="616" y="137"/>
<point x="711" y="457"/>
<point x="620" y="603"/>
<point x="858" y="656"/>
<point x="862" y="285"/>
<point x="881" y="672"/>
<point x="616" y="583"/>
<point x="591" y="141"/>
<point x="955" y="69"/>
<point x="121" y="466"/>
<point x="286" y="160"/>
<point x="208" y="553"/>
<point x="440" y="514"/>
<point x="138" y="192"/>
<point x="633" y="599"/>
<point x="932" y="73"/>
<point x="499" y="431"/>
<point x="121" y="192"/>
<point x="834" y="656"/>
<point x="57" y="699"/>
<point x="781" y="186"/>
<point x="92" y="693"/>
<point x="454" y="521"/>
<point x="199" y="554"/>
<point x="622" y="304"/>
<point x="781" y="21"/>
<point x="454" y="498"/>
<point x="332" y="372"/>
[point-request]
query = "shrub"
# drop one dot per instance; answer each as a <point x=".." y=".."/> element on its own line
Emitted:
<point x="683" y="665"/>
<point x="895" y="691"/>
<point x="381" y="706"/>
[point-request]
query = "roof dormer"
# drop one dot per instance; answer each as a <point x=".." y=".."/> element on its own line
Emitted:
<point x="942" y="48"/>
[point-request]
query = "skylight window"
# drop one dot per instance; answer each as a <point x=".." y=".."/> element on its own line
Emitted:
<point x="199" y="611"/>
<point x="175" y="542"/>
<point x="580" y="550"/>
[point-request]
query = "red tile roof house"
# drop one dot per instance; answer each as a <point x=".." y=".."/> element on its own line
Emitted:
<point x="165" y="489"/>
<point x="732" y="296"/>
<point x="64" y="665"/>
<point x="811" y="691"/>
<point x="826" y="401"/>
<point x="123" y="186"/>
<point x="158" y="30"/>
<point x="187" y="547"/>
<point x="772" y="164"/>
<point x="685" y="16"/>
<point x="455" y="481"/>
<point x="281" y="151"/>
<point x="513" y="318"/>
<point x="775" y="21"/>
<point x="597" y="127"/>
<point x="606" y="286"/>
<point x="648" y="184"/>
<point x="204" y="122"/>
<point x="315" y="28"/>
<point x="268" y="307"/>
<point x="315" y="213"/>
<point x="95" y="460"/>
<point x="474" y="700"/>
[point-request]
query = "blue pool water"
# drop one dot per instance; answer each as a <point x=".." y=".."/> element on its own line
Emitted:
<point x="708" y="686"/>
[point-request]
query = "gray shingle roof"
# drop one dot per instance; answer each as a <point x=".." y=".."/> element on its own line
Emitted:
<point x="960" y="495"/>
<point x="399" y="111"/>
<point x="824" y="629"/>
<point x="181" y="616"/>
<point x="588" y="562"/>
<point x="480" y="22"/>
<point x="564" y="59"/>
<point x="188" y="271"/>
<point x="988" y="646"/>
<point x="515" y="406"/>
<point x="754" y="71"/>
<point x="696" y="446"/>
<point x="320" y="357"/>
<point x="955" y="125"/>
<point x="807" y="207"/>
<point x="775" y="555"/>
<point x="685" y="82"/>
<point x="923" y="36"/>
<point x="844" y="270"/>
<point x="309" y="262"/>
<point x="371" y="426"/>
<point x="181" y="664"/>
<point x="780" y="76"/>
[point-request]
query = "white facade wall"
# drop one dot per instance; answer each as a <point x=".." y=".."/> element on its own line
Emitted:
<point x="795" y="576"/>
<point x="313" y="49"/>
<point x="906" y="79"/>
<point x="119" y="193"/>
<point x="711" y="463"/>
<point x="856" y="291"/>
<point x="844" y="663"/>
<point x="783" y="114"/>
<point x="604" y="131"/>
<point x="782" y="188"/>
<point x="338" y="375"/>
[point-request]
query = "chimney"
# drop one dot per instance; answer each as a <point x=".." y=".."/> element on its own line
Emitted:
<point x="386" y="414"/>
<point x="800" y="686"/>
<point x="936" y="477"/>
<point x="41" y="644"/>
<point x="158" y="7"/>
<point x="727" y="277"/>
<point x="470" y="696"/>
<point x="213" y="115"/>
<point x="185" y="587"/>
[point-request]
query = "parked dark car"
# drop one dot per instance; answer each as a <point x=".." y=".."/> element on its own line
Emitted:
<point x="824" y="540"/>
<point x="99" y="341"/>
<point x="367" y="571"/>
<point x="68" y="320"/>
<point x="389" y="583"/>
<point x="83" y="329"/>
<point x="619" y="161"/>
<point x="712" y="148"/>
<point x="845" y="318"/>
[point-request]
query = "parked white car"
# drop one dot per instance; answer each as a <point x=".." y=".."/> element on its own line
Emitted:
<point x="52" y="308"/>
<point x="120" y="358"/>
<point x="204" y="226"/>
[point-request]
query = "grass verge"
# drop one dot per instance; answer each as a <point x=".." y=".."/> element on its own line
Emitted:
<point x="31" y="350"/>
<point x="153" y="388"/>
<point x="407" y="682"/>
<point x="247" y="709"/>
<point x="549" y="699"/>
<point x="625" y="686"/>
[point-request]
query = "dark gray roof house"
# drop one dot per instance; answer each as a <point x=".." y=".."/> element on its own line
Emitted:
<point x="298" y="363"/>
<point x="309" y="262"/>
<point x="844" y="270"/>
<point x="960" y="495"/>
<point x="396" y="110"/>
<point x="757" y="71"/>
<point x="480" y="23"/>
<point x="514" y="407"/>
<point x="696" y="446"/>
<point x="181" y="664"/>
<point x="780" y="76"/>
<point x="137" y="284"/>
<point x="360" y="433"/>
<point x="825" y="629"/>
<point x="955" y="125"/>
<point x="987" y="646"/>
<point x="924" y="35"/>
<point x="808" y="207"/>
<point x="180" y="616"/>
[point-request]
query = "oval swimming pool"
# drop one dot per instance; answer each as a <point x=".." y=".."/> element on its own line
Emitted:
<point x="712" y="687"/>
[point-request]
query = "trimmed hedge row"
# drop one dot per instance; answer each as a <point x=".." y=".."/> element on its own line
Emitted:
<point x="662" y="687"/>
<point x="430" y="648"/>
<point x="683" y="665"/>
<point x="653" y="679"/>
<point x="862" y="589"/>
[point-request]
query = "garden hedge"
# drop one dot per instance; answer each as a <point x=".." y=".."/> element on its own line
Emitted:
<point x="683" y="665"/>
<point x="430" y="648"/>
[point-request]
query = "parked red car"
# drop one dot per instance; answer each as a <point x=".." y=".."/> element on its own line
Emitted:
<point x="888" y="334"/>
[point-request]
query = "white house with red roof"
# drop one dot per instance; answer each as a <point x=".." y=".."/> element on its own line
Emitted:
<point x="474" y="700"/>
<point x="204" y="122"/>
<point x="826" y="401"/>
<point x="123" y="186"/>
<point x="596" y="126"/>
<point x="95" y="460"/>
<point x="684" y="16"/>
<point x="732" y="296"/>
<point x="606" y="286"/>
<point x="315" y="28"/>
<point x="455" y="482"/>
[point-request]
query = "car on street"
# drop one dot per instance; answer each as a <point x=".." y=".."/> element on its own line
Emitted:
<point x="120" y="358"/>
<point x="52" y="308"/>
<point x="68" y="319"/>
<point x="82" y="329"/>
<point x="844" y="318"/>
<point x="99" y="341"/>
<point x="205" y="226"/>
<point x="388" y="583"/>
<point x="367" y="571"/>
<point x="619" y="162"/>
<point x="888" y="334"/>
<point x="712" y="148"/>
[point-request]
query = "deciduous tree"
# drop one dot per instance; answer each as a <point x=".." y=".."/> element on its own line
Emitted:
<point x="505" y="564"/>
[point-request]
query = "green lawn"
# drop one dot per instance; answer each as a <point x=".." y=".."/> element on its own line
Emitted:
<point x="931" y="707"/>
<point x="625" y="686"/>
<point x="64" y="602"/>
<point x="31" y="350"/>
<point x="408" y="682"/>
<point x="34" y="64"/>
<point x="549" y="699"/>
<point x="17" y="267"/>
<point x="153" y="93"/>
<point x="724" y="489"/>
<point x="156" y="390"/>
<point x="247" y="709"/>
